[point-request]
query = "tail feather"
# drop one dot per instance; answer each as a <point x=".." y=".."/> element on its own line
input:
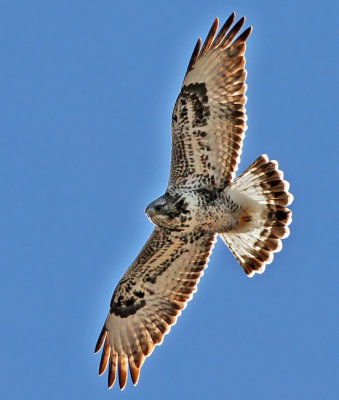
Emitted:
<point x="263" y="194"/>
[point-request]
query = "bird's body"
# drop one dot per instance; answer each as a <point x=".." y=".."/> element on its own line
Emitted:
<point x="188" y="210"/>
<point x="202" y="201"/>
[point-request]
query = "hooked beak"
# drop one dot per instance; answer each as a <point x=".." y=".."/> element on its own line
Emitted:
<point x="149" y="211"/>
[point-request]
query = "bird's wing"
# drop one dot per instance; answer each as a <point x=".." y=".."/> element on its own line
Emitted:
<point x="149" y="298"/>
<point x="209" y="117"/>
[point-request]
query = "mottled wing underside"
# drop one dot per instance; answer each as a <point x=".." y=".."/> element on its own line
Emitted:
<point x="149" y="298"/>
<point x="209" y="120"/>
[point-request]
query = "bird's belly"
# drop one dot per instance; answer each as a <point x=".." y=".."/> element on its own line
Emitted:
<point x="218" y="216"/>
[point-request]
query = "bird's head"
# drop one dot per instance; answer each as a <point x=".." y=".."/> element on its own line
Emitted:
<point x="169" y="212"/>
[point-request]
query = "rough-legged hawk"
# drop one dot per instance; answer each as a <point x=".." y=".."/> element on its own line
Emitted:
<point x="202" y="201"/>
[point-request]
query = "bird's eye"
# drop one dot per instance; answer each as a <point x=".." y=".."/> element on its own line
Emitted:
<point x="157" y="208"/>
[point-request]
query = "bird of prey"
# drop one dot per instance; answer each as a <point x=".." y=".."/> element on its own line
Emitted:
<point x="203" y="200"/>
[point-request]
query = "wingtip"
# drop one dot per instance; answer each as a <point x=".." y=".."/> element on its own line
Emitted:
<point x="112" y="370"/>
<point x="101" y="340"/>
<point x="238" y="26"/>
<point x="232" y="17"/>
<point x="249" y="30"/>
<point x="195" y="55"/>
<point x="104" y="359"/>
<point x="230" y="20"/>
<point x="123" y="365"/>
<point x="135" y="373"/>
<point x="209" y="38"/>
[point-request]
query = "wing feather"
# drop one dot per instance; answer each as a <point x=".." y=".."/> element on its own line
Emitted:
<point x="149" y="298"/>
<point x="232" y="33"/>
<point x="224" y="30"/>
<point x="112" y="369"/>
<point x="209" y="117"/>
<point x="104" y="359"/>
<point x="195" y="55"/>
<point x="209" y="39"/>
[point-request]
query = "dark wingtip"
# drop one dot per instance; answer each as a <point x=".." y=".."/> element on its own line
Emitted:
<point x="195" y="55"/>
<point x="101" y="340"/>
<point x="227" y="40"/>
<point x="104" y="359"/>
<point x="239" y="24"/>
<point x="224" y="29"/>
<point x="123" y="365"/>
<point x="135" y="373"/>
<point x="245" y="35"/>
<point x="230" y="19"/>
<point x="209" y="39"/>
<point x="112" y="370"/>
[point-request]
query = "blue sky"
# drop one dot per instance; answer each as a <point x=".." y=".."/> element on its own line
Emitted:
<point x="87" y="90"/>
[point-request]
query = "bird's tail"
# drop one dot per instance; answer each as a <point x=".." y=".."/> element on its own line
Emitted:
<point x="263" y="195"/>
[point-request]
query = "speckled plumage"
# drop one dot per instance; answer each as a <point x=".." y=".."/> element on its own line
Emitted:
<point x="201" y="202"/>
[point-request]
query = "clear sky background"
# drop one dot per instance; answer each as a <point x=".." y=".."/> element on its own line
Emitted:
<point x="87" y="90"/>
